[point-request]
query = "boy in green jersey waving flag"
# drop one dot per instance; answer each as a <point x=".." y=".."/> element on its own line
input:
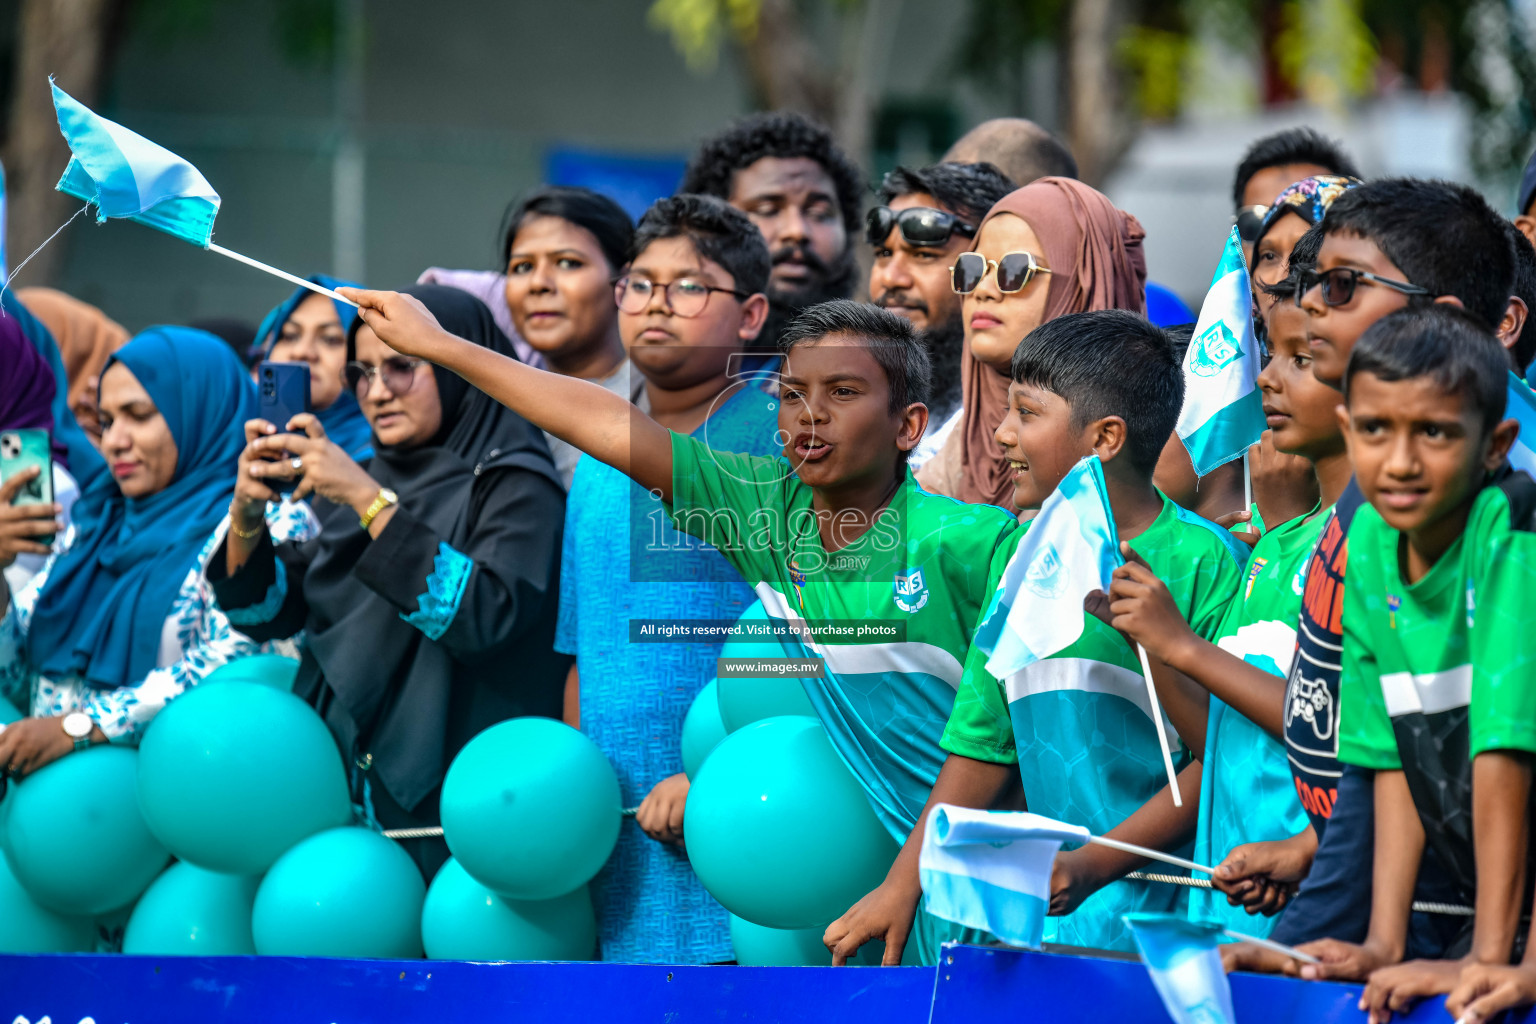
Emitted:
<point x="835" y="532"/>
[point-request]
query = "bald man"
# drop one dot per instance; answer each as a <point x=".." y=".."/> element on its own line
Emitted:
<point x="1019" y="148"/>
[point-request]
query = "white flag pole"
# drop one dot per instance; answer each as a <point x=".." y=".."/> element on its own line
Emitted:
<point x="1157" y="726"/>
<point x="1278" y="947"/>
<point x="1151" y="854"/>
<point x="1248" y="491"/>
<point x="317" y="289"/>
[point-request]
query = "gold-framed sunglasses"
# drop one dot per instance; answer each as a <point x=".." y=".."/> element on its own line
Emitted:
<point x="1014" y="271"/>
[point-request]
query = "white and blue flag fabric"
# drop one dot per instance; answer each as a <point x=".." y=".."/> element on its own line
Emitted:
<point x="1182" y="958"/>
<point x="1069" y="551"/>
<point x="1223" y="408"/>
<point x="1521" y="405"/>
<point x="992" y="869"/>
<point x="125" y="175"/>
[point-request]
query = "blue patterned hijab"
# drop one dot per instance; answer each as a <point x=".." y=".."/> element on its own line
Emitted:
<point x="102" y="610"/>
<point x="342" y="419"/>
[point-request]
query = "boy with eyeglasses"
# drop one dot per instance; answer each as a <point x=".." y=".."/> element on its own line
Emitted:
<point x="1384" y="245"/>
<point x="927" y="217"/>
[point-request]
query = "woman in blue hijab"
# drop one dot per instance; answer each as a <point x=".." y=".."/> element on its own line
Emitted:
<point x="119" y="621"/>
<point x="310" y="328"/>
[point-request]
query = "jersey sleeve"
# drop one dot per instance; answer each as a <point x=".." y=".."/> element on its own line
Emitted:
<point x="731" y="501"/>
<point x="1503" y="576"/>
<point x="1216" y="589"/>
<point x="1366" y="738"/>
<point x="980" y="726"/>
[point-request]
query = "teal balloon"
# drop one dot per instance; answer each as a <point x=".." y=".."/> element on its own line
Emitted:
<point x="463" y="920"/>
<point x="345" y="892"/>
<point x="744" y="701"/>
<point x="74" y="836"/>
<point x="702" y="728"/>
<point x="530" y="808"/>
<point x="757" y="946"/>
<point x="779" y="831"/>
<point x="8" y="712"/>
<point x="232" y="774"/>
<point x="272" y="670"/>
<point x="27" y="926"/>
<point x="191" y="912"/>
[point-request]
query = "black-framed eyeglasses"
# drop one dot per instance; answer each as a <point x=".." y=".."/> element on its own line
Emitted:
<point x="919" y="225"/>
<point x="1014" y="271"/>
<point x="1338" y="285"/>
<point x="399" y="373"/>
<point x="686" y="297"/>
<point x="1249" y="219"/>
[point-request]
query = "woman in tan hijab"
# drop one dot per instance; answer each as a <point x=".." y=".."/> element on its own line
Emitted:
<point x="86" y="338"/>
<point x="1087" y="256"/>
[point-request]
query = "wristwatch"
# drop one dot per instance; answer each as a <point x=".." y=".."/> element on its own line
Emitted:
<point x="386" y="498"/>
<point x="78" y="726"/>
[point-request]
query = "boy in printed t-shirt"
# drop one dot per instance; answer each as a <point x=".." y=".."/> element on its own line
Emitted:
<point x="1246" y="795"/>
<point x="1436" y="688"/>
<point x="1076" y="727"/>
<point x="834" y="529"/>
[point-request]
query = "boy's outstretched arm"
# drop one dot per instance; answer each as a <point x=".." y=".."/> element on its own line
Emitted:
<point x="585" y="415"/>
<point x="888" y="912"/>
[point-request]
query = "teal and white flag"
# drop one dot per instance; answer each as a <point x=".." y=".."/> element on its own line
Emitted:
<point x="125" y="175"/>
<point x="992" y="869"/>
<point x="1069" y="550"/>
<point x="1182" y="958"/>
<point x="1223" y="408"/>
<point x="1521" y="406"/>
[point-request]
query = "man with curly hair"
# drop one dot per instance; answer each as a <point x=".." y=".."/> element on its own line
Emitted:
<point x="804" y="194"/>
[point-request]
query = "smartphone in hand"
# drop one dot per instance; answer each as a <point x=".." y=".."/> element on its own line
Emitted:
<point x="282" y="392"/>
<point x="22" y="449"/>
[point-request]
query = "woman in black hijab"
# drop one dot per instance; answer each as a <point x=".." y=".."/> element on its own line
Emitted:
<point x="428" y="601"/>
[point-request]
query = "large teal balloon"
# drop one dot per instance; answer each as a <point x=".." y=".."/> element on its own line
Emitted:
<point x="344" y="892"/>
<point x="192" y="912"/>
<point x="530" y="808"/>
<point x="463" y="920"/>
<point x="757" y="946"/>
<point x="779" y="831"/>
<point x="232" y="774"/>
<point x="27" y="926"/>
<point x="702" y="728"/>
<point x="74" y="836"/>
<point x="743" y="701"/>
<point x="272" y="670"/>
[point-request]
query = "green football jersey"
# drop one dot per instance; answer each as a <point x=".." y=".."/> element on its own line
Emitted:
<point x="918" y="580"/>
<point x="1079" y="723"/>
<point x="1438" y="671"/>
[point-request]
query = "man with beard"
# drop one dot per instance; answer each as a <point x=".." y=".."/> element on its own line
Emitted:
<point x="784" y="171"/>
<point x="927" y="217"/>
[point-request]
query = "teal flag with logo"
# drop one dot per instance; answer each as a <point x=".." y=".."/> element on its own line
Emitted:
<point x="1223" y="408"/>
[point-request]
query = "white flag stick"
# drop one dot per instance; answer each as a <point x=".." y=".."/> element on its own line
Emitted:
<point x="1271" y="944"/>
<point x="1151" y="854"/>
<point x="1248" y="491"/>
<point x="1157" y="726"/>
<point x="317" y="289"/>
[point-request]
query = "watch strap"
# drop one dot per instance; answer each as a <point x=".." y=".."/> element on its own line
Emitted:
<point x="381" y="501"/>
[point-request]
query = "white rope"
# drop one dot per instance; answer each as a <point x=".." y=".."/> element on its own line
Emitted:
<point x="1419" y="906"/>
<point x="12" y="275"/>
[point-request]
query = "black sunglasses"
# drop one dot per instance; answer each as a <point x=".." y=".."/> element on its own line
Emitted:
<point x="1338" y="285"/>
<point x="1249" y="220"/>
<point x="920" y="225"/>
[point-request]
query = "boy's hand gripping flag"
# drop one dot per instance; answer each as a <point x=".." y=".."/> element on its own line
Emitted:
<point x="1069" y="550"/>
<point x="992" y="869"/>
<point x="124" y="175"/>
<point x="1185" y="966"/>
<point x="1223" y="408"/>
<point x="1521" y="406"/>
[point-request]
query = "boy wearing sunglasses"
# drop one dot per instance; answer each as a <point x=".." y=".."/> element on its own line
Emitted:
<point x="928" y="216"/>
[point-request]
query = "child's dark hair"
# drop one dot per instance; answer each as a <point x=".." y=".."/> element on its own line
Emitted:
<point x="892" y="340"/>
<point x="1524" y="349"/>
<point x="1108" y="363"/>
<point x="598" y="214"/>
<point x="968" y="190"/>
<point x="1291" y="146"/>
<point x="1441" y="235"/>
<point x="718" y="231"/>
<point x="1179" y="337"/>
<point x="1443" y="343"/>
